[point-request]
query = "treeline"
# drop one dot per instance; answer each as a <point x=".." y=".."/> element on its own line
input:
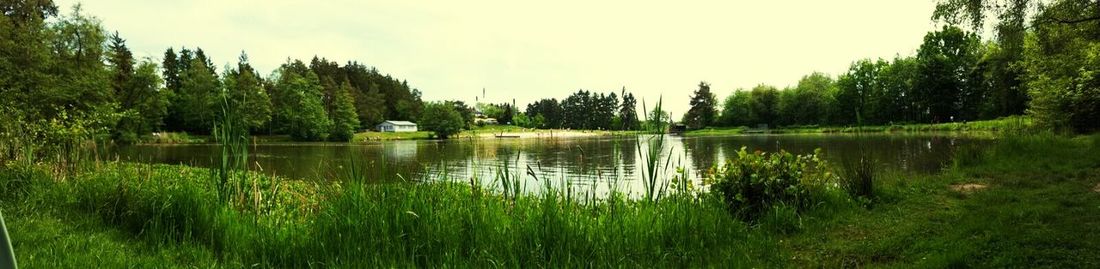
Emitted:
<point x="65" y="77"/>
<point x="953" y="77"/>
<point x="583" y="110"/>
<point x="314" y="102"/>
<point x="1043" y="64"/>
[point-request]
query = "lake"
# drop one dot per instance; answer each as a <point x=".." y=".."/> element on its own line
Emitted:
<point x="584" y="164"/>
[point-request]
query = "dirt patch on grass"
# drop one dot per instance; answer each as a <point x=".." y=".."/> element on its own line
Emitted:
<point x="968" y="187"/>
<point x="1097" y="188"/>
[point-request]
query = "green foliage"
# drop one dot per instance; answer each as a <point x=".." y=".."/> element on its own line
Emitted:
<point x="857" y="90"/>
<point x="896" y="101"/>
<point x="1004" y="71"/>
<point x="703" y="111"/>
<point x="948" y="86"/>
<point x="764" y="104"/>
<point x="538" y="121"/>
<point x="503" y="112"/>
<point x="297" y="97"/>
<point x="345" y="120"/>
<point x="370" y="101"/>
<point x="194" y="103"/>
<point x="246" y="95"/>
<point x="143" y="104"/>
<point x="467" y="113"/>
<point x="806" y="103"/>
<point x="584" y="110"/>
<point x="628" y="116"/>
<point x="1061" y="66"/>
<point x="737" y="109"/>
<point x="442" y="119"/>
<point x="522" y="120"/>
<point x="551" y="112"/>
<point x="754" y="183"/>
<point x="58" y="94"/>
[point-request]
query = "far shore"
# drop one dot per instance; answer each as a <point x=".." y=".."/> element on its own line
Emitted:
<point x="513" y="132"/>
<point x="491" y="132"/>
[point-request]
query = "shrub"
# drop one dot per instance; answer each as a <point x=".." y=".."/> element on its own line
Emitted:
<point x="752" y="183"/>
<point x="441" y="119"/>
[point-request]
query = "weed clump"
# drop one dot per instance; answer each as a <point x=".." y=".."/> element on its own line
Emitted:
<point x="859" y="177"/>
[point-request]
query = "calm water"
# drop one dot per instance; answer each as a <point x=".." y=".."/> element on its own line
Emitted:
<point x="583" y="163"/>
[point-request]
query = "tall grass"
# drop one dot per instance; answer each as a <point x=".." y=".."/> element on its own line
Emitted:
<point x="654" y="159"/>
<point x="357" y="224"/>
<point x="232" y="139"/>
<point x="353" y="223"/>
<point x="859" y="171"/>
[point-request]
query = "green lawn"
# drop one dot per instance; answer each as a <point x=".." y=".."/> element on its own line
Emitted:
<point x="1039" y="209"/>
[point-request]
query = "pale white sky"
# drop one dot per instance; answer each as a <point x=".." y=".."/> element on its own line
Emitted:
<point x="530" y="50"/>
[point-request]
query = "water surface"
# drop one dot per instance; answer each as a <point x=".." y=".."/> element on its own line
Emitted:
<point x="595" y="163"/>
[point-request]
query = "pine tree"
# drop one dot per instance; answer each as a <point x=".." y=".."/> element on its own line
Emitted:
<point x="122" y="66"/>
<point x="628" y="115"/>
<point x="703" y="108"/>
<point x="171" y="71"/>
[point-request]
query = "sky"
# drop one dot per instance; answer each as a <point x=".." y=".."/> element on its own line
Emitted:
<point x="526" y="50"/>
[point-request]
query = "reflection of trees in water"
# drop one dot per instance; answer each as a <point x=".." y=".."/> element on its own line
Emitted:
<point x="551" y="159"/>
<point x="442" y="159"/>
<point x="583" y="162"/>
<point x="628" y="151"/>
<point x="703" y="153"/>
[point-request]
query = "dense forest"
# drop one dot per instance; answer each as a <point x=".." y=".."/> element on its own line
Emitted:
<point x="1043" y="61"/>
<point x="66" y="77"/>
<point x="583" y="110"/>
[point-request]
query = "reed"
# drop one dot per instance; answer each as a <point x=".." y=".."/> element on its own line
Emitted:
<point x="653" y="156"/>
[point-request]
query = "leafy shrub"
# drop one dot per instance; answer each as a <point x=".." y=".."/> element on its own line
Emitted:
<point x="752" y="183"/>
<point x="441" y="119"/>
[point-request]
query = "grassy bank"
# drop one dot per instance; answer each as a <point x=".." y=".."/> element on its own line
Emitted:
<point x="126" y="214"/>
<point x="1030" y="202"/>
<point x="1026" y="202"/>
<point x="1002" y="125"/>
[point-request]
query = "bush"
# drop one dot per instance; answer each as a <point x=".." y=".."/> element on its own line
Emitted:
<point x="441" y="119"/>
<point x="752" y="183"/>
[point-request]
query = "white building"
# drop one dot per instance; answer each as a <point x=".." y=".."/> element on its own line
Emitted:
<point x="490" y="121"/>
<point x="396" y="126"/>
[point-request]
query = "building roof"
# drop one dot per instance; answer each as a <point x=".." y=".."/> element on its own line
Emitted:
<point x="399" y="123"/>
